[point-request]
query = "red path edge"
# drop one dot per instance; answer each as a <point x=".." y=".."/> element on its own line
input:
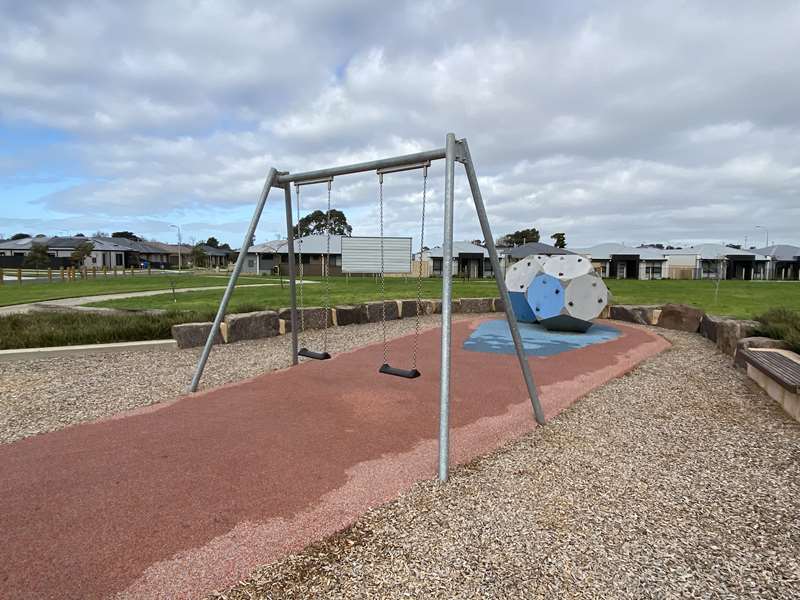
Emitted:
<point x="185" y="497"/>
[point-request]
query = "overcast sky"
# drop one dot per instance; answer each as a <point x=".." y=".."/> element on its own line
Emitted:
<point x="627" y="122"/>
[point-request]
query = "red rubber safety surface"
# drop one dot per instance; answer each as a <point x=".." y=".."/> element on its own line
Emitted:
<point x="186" y="497"/>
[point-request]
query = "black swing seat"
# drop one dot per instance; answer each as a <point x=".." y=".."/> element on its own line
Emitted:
<point x="306" y="353"/>
<point x="407" y="373"/>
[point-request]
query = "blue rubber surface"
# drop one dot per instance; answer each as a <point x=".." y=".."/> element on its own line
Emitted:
<point x="495" y="336"/>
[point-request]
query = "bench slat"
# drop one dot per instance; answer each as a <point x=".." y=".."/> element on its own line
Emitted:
<point x="779" y="367"/>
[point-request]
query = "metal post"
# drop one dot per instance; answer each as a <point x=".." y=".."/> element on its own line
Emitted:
<point x="248" y="240"/>
<point x="447" y="292"/>
<point x="501" y="284"/>
<point x="287" y="194"/>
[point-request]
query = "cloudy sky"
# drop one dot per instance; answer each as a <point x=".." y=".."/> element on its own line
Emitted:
<point x="628" y="122"/>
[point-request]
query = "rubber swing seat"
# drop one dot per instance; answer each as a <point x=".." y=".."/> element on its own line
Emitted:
<point x="407" y="373"/>
<point x="306" y="353"/>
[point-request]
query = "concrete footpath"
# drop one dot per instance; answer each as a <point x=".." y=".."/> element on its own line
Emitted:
<point x="81" y="300"/>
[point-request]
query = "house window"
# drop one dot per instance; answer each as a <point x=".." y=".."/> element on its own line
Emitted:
<point x="118" y="259"/>
<point x="251" y="263"/>
<point x="94" y="260"/>
<point x="306" y="259"/>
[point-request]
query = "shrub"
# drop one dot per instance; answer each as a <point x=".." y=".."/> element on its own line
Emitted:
<point x="781" y="324"/>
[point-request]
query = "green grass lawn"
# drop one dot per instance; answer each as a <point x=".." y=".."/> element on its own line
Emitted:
<point x="12" y="292"/>
<point x="742" y="299"/>
<point x="37" y="330"/>
<point x="354" y="291"/>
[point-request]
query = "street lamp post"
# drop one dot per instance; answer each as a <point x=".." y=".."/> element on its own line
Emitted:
<point x="180" y="246"/>
<point x="766" y="231"/>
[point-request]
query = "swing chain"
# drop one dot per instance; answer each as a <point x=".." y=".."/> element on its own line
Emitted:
<point x="383" y="280"/>
<point x="300" y="260"/>
<point x="419" y="270"/>
<point x="326" y="270"/>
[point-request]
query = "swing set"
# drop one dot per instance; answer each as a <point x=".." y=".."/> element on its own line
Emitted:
<point x="454" y="151"/>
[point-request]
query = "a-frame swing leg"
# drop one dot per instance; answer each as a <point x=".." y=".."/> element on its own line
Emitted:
<point x="248" y="241"/>
<point x="501" y="284"/>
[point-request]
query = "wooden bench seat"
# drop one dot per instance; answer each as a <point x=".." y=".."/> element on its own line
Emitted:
<point x="776" y="365"/>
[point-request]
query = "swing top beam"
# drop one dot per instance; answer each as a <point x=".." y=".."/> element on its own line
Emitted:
<point x="373" y="165"/>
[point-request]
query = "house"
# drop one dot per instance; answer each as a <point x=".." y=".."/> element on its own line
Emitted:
<point x="469" y="260"/>
<point x="214" y="257"/>
<point x="138" y="254"/>
<point x="104" y="254"/>
<point x="268" y="256"/>
<point x="708" y="261"/>
<point x="177" y="255"/>
<point x="263" y="258"/>
<point x="784" y="261"/>
<point x="624" y="262"/>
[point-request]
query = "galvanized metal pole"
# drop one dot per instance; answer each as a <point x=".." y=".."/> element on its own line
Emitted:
<point x="447" y="293"/>
<point x="287" y="194"/>
<point x="501" y="284"/>
<point x="373" y="165"/>
<point x="248" y="240"/>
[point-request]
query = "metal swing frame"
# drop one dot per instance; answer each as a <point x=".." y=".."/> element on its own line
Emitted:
<point x="453" y="152"/>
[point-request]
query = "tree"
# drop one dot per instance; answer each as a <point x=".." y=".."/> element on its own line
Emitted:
<point x="129" y="235"/>
<point x="315" y="223"/>
<point x="198" y="255"/>
<point x="40" y="235"/>
<point x="560" y="240"/>
<point x="213" y="242"/>
<point x="81" y="251"/>
<point x="37" y="258"/>
<point x="20" y="236"/>
<point x="523" y="236"/>
<point x="79" y="235"/>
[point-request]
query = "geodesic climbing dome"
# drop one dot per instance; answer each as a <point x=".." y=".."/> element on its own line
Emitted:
<point x="561" y="292"/>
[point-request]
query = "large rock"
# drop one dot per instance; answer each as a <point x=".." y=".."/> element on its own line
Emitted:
<point x="408" y="308"/>
<point x="630" y="314"/>
<point x="756" y="342"/>
<point x="312" y="318"/>
<point x="730" y="331"/>
<point x="709" y="326"/>
<point x="477" y="305"/>
<point x="349" y="315"/>
<point x="645" y="314"/>
<point x="374" y="312"/>
<point x="191" y="335"/>
<point x="680" y="317"/>
<point x="252" y="326"/>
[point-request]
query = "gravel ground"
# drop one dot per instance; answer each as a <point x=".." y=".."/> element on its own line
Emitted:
<point x="49" y="394"/>
<point x="678" y="480"/>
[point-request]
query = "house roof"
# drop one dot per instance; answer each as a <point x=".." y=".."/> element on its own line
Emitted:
<point x="313" y="244"/>
<point x="212" y="251"/>
<point x="60" y="243"/>
<point x="459" y="248"/>
<point x="524" y="250"/>
<point x="125" y="243"/>
<point x="607" y="250"/>
<point x="714" y="251"/>
<point x="780" y="252"/>
<point x="267" y="247"/>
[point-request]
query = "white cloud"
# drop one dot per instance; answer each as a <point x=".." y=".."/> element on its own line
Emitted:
<point x="615" y="122"/>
